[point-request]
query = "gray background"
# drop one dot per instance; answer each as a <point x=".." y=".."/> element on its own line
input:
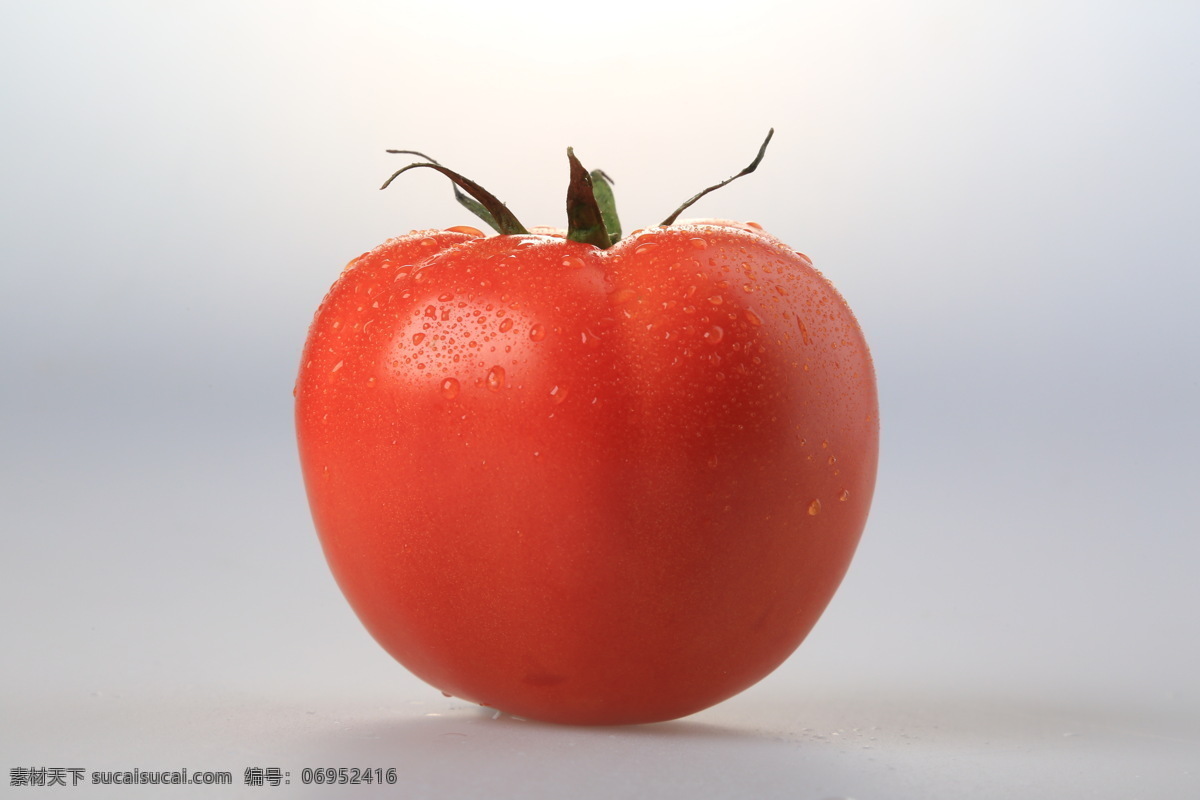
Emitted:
<point x="1006" y="193"/>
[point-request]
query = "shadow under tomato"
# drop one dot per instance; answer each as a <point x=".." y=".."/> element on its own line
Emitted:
<point x="459" y="719"/>
<point x="468" y="751"/>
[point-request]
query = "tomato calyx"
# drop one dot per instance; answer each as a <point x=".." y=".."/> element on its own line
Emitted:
<point x="762" y="151"/>
<point x="481" y="202"/>
<point x="587" y="220"/>
<point x="591" y="206"/>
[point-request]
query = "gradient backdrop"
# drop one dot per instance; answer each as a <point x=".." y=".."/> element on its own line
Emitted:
<point x="1006" y="193"/>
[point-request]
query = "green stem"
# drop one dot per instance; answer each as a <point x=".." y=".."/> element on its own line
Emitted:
<point x="602" y="189"/>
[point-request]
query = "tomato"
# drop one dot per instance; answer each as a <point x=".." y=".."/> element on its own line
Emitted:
<point x="588" y="485"/>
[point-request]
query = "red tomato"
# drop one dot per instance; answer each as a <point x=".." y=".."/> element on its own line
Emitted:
<point x="583" y="485"/>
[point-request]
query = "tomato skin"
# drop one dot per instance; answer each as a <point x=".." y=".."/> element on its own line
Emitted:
<point x="588" y="486"/>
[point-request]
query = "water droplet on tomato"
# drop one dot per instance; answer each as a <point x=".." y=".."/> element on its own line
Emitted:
<point x="644" y="248"/>
<point x="429" y="241"/>
<point x="506" y="325"/>
<point x="814" y="508"/>
<point x="495" y="378"/>
<point x="844" y="496"/>
<point x="371" y="382"/>
<point x="574" y="262"/>
<point x="445" y="298"/>
<point x="467" y="229"/>
<point x="417" y="338"/>
<point x="698" y="242"/>
<point x="806" y="258"/>
<point x="714" y="334"/>
<point x="558" y="394"/>
<point x="336" y="366"/>
<point x="450" y="388"/>
<point x="803" y="330"/>
<point x="716" y="299"/>
<point x="753" y="318"/>
<point x="754" y="225"/>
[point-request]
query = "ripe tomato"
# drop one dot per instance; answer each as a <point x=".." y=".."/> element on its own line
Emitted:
<point x="586" y="485"/>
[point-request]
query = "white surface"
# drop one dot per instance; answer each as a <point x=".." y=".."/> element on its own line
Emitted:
<point x="1005" y="193"/>
<point x="206" y="635"/>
